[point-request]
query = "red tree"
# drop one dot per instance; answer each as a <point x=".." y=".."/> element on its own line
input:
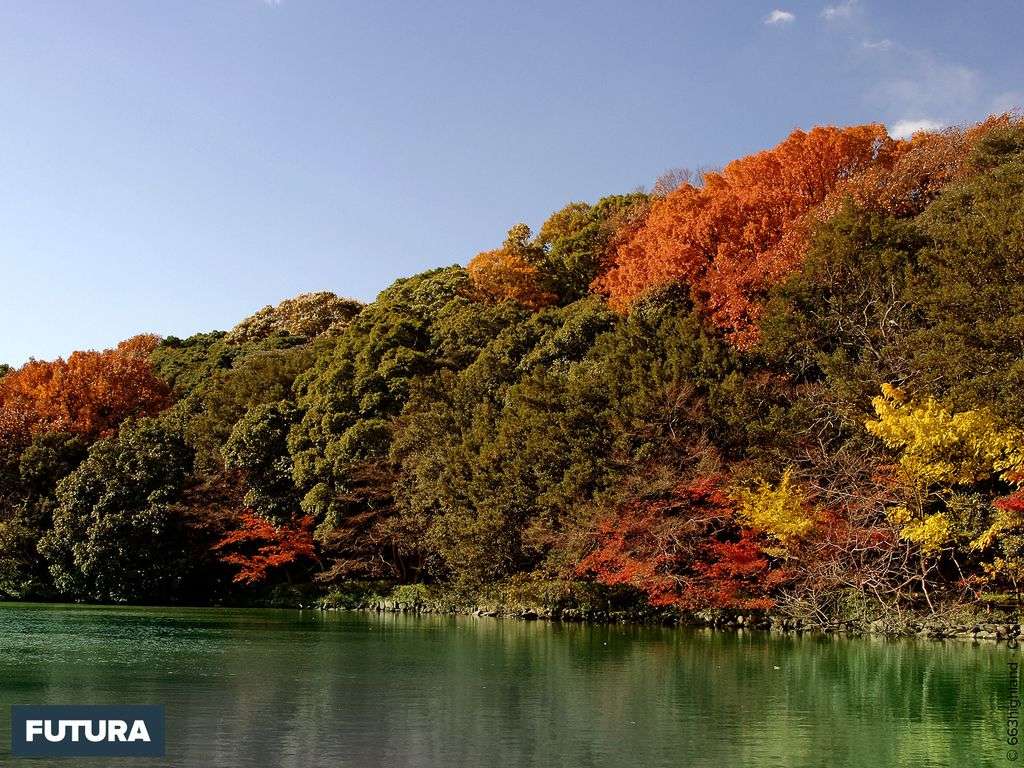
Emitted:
<point x="257" y="546"/>
<point x="916" y="170"/>
<point x="683" y="549"/>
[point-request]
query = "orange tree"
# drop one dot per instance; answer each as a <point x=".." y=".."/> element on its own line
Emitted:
<point x="89" y="394"/>
<point x="740" y="231"/>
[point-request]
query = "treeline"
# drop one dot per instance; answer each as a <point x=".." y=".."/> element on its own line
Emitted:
<point x="793" y="384"/>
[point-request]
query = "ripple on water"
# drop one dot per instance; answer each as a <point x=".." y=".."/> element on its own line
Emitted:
<point x="255" y="688"/>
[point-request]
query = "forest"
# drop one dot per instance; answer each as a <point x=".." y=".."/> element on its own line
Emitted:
<point x="791" y="386"/>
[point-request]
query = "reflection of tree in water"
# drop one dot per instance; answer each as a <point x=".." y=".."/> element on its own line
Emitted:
<point x="265" y="688"/>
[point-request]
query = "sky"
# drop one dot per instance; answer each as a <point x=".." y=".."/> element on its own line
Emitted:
<point x="171" y="167"/>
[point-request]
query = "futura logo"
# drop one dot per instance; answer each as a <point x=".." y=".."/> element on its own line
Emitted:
<point x="87" y="731"/>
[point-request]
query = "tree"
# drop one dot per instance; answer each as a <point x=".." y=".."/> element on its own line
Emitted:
<point x="185" y="364"/>
<point x="26" y="509"/>
<point x="259" y="448"/>
<point x="673" y="179"/>
<point x="214" y="407"/>
<point x="578" y="243"/>
<point x="939" y="447"/>
<point x="781" y="512"/>
<point x="970" y="290"/>
<point x="350" y="399"/>
<point x="917" y="170"/>
<point x="744" y="229"/>
<point x="951" y="468"/>
<point x="497" y="460"/>
<point x="574" y="246"/>
<point x="507" y="273"/>
<point x="89" y="394"/>
<point x="118" y="533"/>
<point x="307" y="315"/>
<point x="839" y="325"/>
<point x="257" y="546"/>
<point x="682" y="547"/>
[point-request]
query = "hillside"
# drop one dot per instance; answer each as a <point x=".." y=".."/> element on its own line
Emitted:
<point x="793" y="385"/>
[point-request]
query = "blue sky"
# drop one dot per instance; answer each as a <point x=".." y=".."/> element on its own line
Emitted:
<point x="173" y="166"/>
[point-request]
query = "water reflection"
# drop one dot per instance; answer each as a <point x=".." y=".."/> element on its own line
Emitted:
<point x="289" y="688"/>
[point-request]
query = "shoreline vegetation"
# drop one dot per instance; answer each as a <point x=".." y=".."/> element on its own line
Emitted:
<point x="786" y="394"/>
<point x="923" y="627"/>
<point x="957" y="624"/>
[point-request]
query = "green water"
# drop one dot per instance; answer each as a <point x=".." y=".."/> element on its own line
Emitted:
<point x="291" y="688"/>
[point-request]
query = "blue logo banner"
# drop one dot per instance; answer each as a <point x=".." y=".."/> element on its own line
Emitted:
<point x="87" y="731"/>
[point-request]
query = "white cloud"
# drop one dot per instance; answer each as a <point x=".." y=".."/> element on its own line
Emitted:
<point x="840" y="11"/>
<point x="779" y="17"/>
<point x="904" y="129"/>
<point x="912" y="88"/>
<point x="918" y="83"/>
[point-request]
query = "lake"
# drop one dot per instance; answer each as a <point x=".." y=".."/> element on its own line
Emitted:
<point x="303" y="688"/>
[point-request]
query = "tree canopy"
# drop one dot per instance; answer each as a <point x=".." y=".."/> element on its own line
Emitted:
<point x="792" y="385"/>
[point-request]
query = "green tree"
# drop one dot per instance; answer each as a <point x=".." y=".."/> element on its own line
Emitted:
<point x="351" y="398"/>
<point x="839" y="326"/>
<point x="498" y="460"/>
<point x="117" y="533"/>
<point x="26" y="510"/>
<point x="576" y="244"/>
<point x="259" y="448"/>
<point x="971" y="291"/>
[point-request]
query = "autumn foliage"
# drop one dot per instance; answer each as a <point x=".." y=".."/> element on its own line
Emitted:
<point x="500" y="275"/>
<point x="914" y="170"/>
<point x="507" y="273"/>
<point x="733" y="235"/>
<point x="88" y="394"/>
<point x="742" y="229"/>
<point x="258" y="546"/>
<point x="684" y="549"/>
<point x="804" y="393"/>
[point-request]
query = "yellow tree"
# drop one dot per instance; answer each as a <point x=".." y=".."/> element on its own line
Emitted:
<point x="942" y="457"/>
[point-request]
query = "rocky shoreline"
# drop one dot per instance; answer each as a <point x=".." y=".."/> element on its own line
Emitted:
<point x="1003" y="631"/>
